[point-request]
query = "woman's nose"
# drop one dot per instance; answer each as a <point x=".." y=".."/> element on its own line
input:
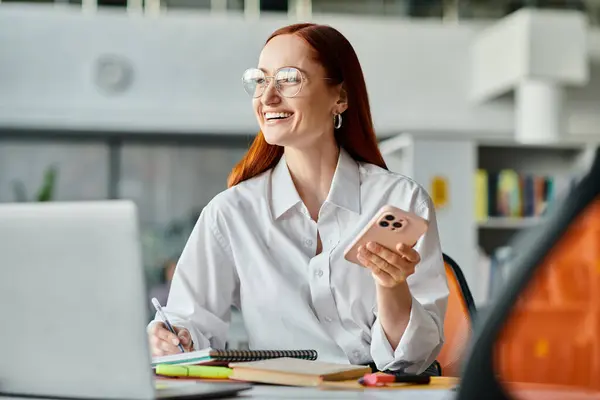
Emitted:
<point x="270" y="95"/>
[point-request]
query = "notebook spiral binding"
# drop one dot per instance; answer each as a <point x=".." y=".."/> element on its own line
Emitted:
<point x="254" y="355"/>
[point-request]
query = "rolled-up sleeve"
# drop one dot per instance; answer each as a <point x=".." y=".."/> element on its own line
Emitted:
<point x="204" y="285"/>
<point x="424" y="335"/>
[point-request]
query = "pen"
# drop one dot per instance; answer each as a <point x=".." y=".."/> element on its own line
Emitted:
<point x="380" y="379"/>
<point x="162" y="315"/>
<point x="194" y="371"/>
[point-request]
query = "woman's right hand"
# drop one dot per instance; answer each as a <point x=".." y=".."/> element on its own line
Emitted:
<point x="163" y="342"/>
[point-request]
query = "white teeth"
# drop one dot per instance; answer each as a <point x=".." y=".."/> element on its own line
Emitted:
<point x="271" y="115"/>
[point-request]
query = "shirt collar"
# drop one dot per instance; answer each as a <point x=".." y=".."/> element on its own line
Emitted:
<point x="345" y="186"/>
<point x="344" y="191"/>
<point x="283" y="191"/>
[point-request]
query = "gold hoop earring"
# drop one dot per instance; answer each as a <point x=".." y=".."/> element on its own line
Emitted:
<point x="337" y="121"/>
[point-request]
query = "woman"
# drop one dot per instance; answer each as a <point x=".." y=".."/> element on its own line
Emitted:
<point x="272" y="244"/>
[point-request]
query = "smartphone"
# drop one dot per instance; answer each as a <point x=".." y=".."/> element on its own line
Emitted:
<point x="389" y="227"/>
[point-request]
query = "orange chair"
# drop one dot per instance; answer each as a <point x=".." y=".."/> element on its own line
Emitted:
<point x="458" y="321"/>
<point x="541" y="338"/>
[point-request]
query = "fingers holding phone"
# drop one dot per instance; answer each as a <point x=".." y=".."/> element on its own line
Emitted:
<point x="389" y="267"/>
<point x="395" y="231"/>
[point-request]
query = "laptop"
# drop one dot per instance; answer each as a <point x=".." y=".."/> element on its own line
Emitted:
<point x="74" y="306"/>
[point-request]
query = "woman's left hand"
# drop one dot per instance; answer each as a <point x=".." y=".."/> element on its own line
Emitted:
<point x="389" y="268"/>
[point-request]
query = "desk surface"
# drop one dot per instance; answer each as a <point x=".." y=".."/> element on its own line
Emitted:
<point x="438" y="389"/>
<point x="282" y="392"/>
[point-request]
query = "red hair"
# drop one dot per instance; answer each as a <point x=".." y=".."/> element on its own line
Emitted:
<point x="335" y="53"/>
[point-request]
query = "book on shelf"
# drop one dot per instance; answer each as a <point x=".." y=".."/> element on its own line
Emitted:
<point x="510" y="194"/>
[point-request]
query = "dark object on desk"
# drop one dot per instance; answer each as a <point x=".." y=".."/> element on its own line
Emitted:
<point x="380" y="379"/>
<point x="433" y="370"/>
<point x="538" y="317"/>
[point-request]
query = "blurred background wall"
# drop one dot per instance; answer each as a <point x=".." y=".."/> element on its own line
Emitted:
<point x="142" y="99"/>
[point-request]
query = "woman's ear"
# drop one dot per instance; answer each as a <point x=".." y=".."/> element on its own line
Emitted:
<point x="342" y="103"/>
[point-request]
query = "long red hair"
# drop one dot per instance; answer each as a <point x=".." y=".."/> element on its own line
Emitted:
<point x="335" y="53"/>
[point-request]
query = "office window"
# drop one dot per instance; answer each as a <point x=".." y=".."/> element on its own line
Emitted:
<point x="195" y="4"/>
<point x="412" y="8"/>
<point x="81" y="170"/>
<point x="171" y="184"/>
<point x="235" y="5"/>
<point x="274" y="5"/>
<point x="78" y="2"/>
<point x="43" y="1"/>
<point x="231" y="5"/>
<point x="112" y="3"/>
<point x="496" y="9"/>
<point x="205" y="4"/>
<point x="28" y="1"/>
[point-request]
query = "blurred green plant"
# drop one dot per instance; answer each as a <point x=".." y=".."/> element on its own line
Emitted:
<point x="44" y="193"/>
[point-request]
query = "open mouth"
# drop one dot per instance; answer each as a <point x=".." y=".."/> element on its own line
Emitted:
<point x="275" y="117"/>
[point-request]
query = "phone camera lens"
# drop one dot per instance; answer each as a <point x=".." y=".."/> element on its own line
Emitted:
<point x="397" y="224"/>
<point x="389" y="217"/>
<point x="384" y="223"/>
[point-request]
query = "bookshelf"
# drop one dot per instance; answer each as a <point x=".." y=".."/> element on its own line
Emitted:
<point x="558" y="163"/>
<point x="509" y="223"/>
<point x="456" y="159"/>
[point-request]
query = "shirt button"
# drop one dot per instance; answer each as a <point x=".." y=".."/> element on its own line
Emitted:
<point x="319" y="273"/>
<point x="328" y="319"/>
<point x="356" y="353"/>
<point x="308" y="242"/>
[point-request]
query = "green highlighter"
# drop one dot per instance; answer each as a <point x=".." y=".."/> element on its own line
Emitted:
<point x="193" y="371"/>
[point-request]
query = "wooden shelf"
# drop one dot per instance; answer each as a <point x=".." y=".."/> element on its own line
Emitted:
<point x="509" y="223"/>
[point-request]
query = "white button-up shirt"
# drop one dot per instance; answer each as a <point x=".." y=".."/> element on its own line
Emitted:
<point x="254" y="247"/>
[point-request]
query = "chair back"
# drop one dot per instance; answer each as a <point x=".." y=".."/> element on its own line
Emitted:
<point x="458" y="320"/>
<point x="541" y="336"/>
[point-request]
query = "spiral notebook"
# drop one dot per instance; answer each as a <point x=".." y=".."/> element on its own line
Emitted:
<point x="219" y="357"/>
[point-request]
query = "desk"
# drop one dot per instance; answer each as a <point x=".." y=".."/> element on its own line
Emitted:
<point x="284" y="393"/>
<point x="287" y="393"/>
<point x="438" y="390"/>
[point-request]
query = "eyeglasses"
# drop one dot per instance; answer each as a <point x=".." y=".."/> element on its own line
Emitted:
<point x="288" y="81"/>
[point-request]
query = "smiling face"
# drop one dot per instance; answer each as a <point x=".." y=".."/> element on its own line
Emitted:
<point x="307" y="117"/>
